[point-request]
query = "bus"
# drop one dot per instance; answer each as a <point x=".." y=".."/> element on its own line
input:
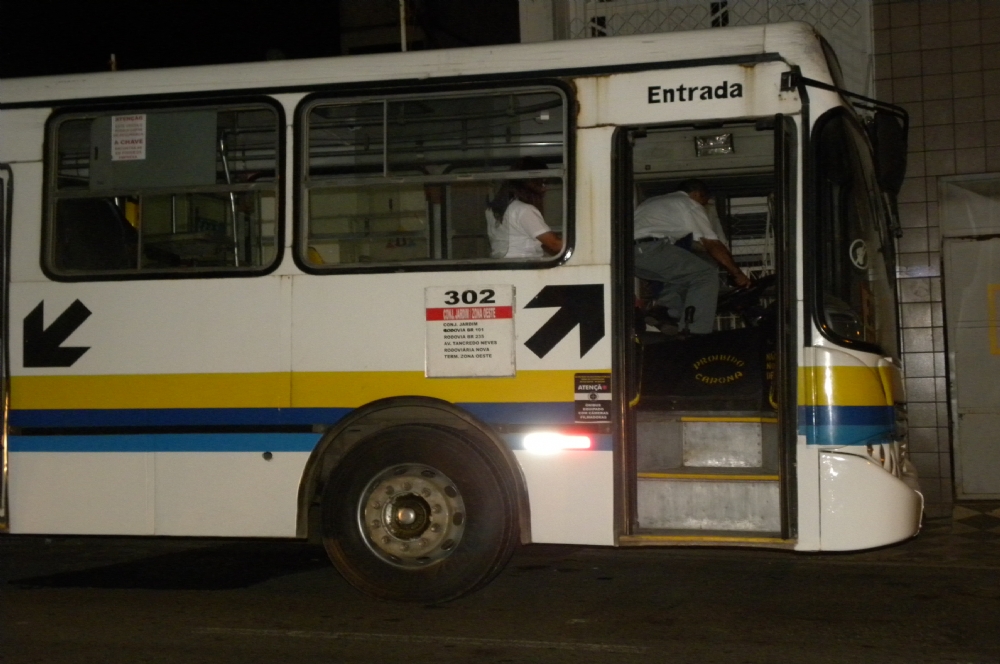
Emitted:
<point x="261" y="300"/>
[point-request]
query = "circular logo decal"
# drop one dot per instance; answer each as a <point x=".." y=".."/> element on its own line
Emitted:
<point x="859" y="254"/>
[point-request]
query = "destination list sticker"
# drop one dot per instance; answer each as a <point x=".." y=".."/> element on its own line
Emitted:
<point x="470" y="331"/>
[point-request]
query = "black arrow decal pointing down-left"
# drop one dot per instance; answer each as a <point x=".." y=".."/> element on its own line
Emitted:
<point x="41" y="344"/>
<point x="581" y="304"/>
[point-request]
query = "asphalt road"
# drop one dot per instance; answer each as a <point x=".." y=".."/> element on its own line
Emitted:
<point x="78" y="599"/>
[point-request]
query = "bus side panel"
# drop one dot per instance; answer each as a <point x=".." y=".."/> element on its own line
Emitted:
<point x="654" y="97"/>
<point x="168" y="327"/>
<point x="845" y="412"/>
<point x="354" y="345"/>
<point x="863" y="506"/>
<point x="377" y="322"/>
<point x="211" y="354"/>
<point x="20" y="135"/>
<point x="26" y="235"/>
<point x="571" y="495"/>
<point x="81" y="494"/>
<point x="228" y="494"/>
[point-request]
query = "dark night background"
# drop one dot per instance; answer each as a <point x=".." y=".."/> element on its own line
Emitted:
<point x="45" y="37"/>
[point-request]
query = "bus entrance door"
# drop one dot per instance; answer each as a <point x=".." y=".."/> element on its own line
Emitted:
<point x="707" y="445"/>
<point x="707" y="436"/>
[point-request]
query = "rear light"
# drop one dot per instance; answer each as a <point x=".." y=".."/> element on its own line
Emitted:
<point x="548" y="442"/>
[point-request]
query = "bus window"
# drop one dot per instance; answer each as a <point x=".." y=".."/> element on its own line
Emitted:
<point x="856" y="301"/>
<point x="142" y="192"/>
<point x="406" y="180"/>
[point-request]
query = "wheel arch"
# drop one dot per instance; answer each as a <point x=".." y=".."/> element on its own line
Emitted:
<point x="376" y="416"/>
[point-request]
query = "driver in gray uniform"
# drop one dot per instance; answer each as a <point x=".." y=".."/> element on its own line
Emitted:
<point x="662" y="223"/>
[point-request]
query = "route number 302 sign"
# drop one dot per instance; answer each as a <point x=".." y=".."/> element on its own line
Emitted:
<point x="470" y="331"/>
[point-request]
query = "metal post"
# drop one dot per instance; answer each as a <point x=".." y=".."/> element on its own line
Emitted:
<point x="232" y="203"/>
<point x="402" y="24"/>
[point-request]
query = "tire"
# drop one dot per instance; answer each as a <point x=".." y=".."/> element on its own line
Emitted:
<point x="420" y="513"/>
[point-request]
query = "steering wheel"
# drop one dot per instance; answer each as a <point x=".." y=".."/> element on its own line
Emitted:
<point x="746" y="302"/>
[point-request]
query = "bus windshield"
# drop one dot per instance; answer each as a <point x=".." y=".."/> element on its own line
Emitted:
<point x="854" y="271"/>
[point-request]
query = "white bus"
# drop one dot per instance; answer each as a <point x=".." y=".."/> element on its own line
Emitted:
<point x="261" y="300"/>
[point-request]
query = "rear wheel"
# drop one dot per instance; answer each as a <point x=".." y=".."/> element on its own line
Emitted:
<point x="420" y="513"/>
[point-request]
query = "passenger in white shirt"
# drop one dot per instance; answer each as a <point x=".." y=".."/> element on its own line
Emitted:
<point x="514" y="218"/>
<point x="661" y="222"/>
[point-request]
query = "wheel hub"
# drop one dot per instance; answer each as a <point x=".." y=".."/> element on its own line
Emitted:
<point x="412" y="515"/>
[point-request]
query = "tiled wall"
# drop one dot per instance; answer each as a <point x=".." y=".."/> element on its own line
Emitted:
<point x="941" y="61"/>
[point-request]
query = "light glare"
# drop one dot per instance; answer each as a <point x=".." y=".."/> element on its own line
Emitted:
<point x="547" y="442"/>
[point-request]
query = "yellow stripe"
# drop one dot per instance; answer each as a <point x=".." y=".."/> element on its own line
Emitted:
<point x="754" y="420"/>
<point x="690" y="476"/>
<point x="696" y="539"/>
<point x="892" y="383"/>
<point x="278" y="390"/>
<point x="352" y="389"/>
<point x="841" y="386"/>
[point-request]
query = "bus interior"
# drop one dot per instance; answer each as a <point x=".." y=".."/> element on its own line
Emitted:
<point x="202" y="196"/>
<point x="705" y="406"/>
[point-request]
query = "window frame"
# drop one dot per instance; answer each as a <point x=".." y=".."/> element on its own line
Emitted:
<point x="390" y="94"/>
<point x="816" y="234"/>
<point x="104" y="108"/>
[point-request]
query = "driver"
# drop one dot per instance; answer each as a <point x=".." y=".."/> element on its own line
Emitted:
<point x="665" y="228"/>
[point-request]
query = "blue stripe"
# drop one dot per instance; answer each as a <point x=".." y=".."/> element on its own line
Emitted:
<point x="846" y="435"/>
<point x="195" y="442"/>
<point x="492" y="413"/>
<point x="847" y="415"/>
<point x="207" y="442"/>
<point x="846" y="425"/>
<point x="545" y="414"/>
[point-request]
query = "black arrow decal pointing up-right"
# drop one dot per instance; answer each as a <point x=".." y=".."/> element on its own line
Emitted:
<point x="41" y="344"/>
<point x="581" y="304"/>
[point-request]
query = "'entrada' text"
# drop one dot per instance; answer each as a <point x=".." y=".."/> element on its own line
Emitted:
<point x="726" y="90"/>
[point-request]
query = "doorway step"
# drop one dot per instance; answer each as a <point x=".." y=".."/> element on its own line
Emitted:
<point x="708" y="475"/>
